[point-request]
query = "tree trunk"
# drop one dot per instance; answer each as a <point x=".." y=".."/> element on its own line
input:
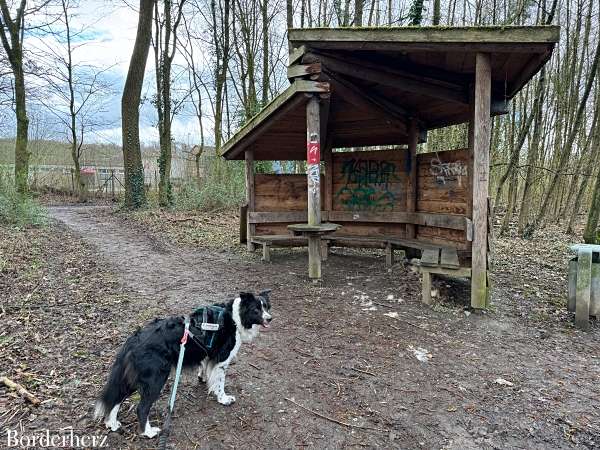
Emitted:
<point x="358" y="13"/>
<point x="265" y="51"/>
<point x="22" y="154"/>
<point x="135" y="194"/>
<point x="437" y="12"/>
<point x="13" y="46"/>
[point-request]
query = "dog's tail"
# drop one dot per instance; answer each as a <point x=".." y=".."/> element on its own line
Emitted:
<point x="117" y="388"/>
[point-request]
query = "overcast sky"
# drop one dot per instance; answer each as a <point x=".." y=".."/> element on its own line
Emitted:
<point x="110" y="29"/>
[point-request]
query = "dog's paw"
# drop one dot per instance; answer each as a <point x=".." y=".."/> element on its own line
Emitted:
<point x="151" y="432"/>
<point x="113" y="425"/>
<point x="226" y="399"/>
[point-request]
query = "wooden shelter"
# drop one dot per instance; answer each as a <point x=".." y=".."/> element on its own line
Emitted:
<point x="366" y="87"/>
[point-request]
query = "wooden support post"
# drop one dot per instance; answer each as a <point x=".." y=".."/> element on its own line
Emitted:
<point x="389" y="255"/>
<point x="481" y="170"/>
<point x="324" y="249"/>
<point x="426" y="287"/>
<point x="313" y="174"/>
<point x="249" y="156"/>
<point x="266" y="252"/>
<point x="584" y="285"/>
<point x="411" y="192"/>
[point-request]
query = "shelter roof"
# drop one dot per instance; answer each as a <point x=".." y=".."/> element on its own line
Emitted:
<point x="374" y="81"/>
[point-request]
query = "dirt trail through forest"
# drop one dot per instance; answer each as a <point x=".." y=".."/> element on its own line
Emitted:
<point x="358" y="348"/>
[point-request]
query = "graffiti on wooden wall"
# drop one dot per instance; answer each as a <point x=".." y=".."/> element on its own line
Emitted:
<point x="448" y="174"/>
<point x="367" y="184"/>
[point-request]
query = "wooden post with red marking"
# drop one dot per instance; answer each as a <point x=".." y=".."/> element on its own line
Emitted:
<point x="313" y="174"/>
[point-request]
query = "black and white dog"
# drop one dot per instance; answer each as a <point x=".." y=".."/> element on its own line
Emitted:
<point x="144" y="363"/>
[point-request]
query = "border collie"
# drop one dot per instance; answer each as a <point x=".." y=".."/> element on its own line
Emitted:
<point x="144" y="362"/>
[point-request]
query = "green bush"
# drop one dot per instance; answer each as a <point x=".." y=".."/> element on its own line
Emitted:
<point x="18" y="209"/>
<point x="222" y="186"/>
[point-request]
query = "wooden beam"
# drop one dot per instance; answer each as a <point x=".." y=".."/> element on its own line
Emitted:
<point x="418" y="72"/>
<point x="352" y="94"/>
<point x="528" y="72"/>
<point x="411" y="190"/>
<point x="328" y="158"/>
<point x="250" y="196"/>
<point x="481" y="170"/>
<point x="287" y="101"/>
<point x="296" y="54"/>
<point x="514" y="36"/>
<point x="281" y="216"/>
<point x="449" y="221"/>
<point x="384" y="76"/>
<point x="303" y="70"/>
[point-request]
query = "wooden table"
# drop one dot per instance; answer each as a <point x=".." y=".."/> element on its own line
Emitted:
<point x="584" y="284"/>
<point x="313" y="233"/>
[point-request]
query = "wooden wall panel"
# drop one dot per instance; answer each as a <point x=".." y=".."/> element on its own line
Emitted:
<point x="443" y="182"/>
<point x="370" y="181"/>
<point x="376" y="182"/>
<point x="443" y="188"/>
<point x="281" y="192"/>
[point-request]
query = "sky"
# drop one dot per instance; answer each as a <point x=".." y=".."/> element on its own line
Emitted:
<point x="108" y="40"/>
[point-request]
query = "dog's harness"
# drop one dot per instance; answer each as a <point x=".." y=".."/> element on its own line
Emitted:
<point x="205" y="339"/>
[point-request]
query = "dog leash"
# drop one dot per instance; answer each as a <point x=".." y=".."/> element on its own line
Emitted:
<point x="162" y="443"/>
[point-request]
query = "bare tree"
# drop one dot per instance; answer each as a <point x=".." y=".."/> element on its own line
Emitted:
<point x="135" y="195"/>
<point x="165" y="46"/>
<point x="77" y="93"/>
<point x="11" y="35"/>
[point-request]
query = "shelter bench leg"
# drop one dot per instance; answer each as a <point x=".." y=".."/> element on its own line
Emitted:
<point x="389" y="255"/>
<point x="250" y="245"/>
<point x="426" y="287"/>
<point x="324" y="249"/>
<point x="266" y="252"/>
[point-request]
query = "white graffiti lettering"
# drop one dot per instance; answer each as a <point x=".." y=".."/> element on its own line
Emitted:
<point x="445" y="172"/>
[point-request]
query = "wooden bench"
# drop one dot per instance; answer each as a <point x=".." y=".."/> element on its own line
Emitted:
<point x="279" y="240"/>
<point x="439" y="260"/>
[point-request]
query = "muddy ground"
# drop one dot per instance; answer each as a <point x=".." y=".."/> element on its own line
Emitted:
<point x="334" y="370"/>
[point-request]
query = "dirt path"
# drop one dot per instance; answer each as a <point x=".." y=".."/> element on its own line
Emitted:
<point x="334" y="350"/>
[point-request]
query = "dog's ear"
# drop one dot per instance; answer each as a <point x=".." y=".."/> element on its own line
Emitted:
<point x="245" y="296"/>
<point x="265" y="293"/>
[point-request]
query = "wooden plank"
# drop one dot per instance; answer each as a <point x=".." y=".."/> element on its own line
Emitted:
<point x="328" y="191"/>
<point x="250" y="197"/>
<point x="515" y="36"/>
<point x="296" y="54"/>
<point x="449" y="258"/>
<point x="411" y="191"/>
<point x="385" y="76"/>
<point x="426" y="287"/>
<point x="452" y="222"/>
<point x="351" y="94"/>
<point x="285" y="102"/>
<point x="430" y="257"/>
<point x="281" y="216"/>
<point x="481" y="168"/>
<point x="303" y="70"/>
<point x="244" y="224"/>
<point x="584" y="285"/>
<point x="462" y="272"/>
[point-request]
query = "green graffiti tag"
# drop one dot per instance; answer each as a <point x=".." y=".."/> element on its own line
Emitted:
<point x="366" y="185"/>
